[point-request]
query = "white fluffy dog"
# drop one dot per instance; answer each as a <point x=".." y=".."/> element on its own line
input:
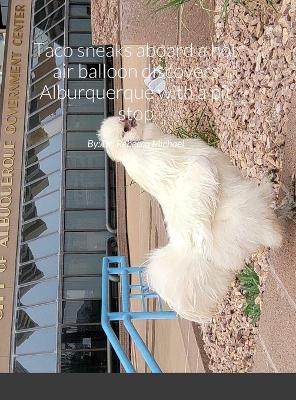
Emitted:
<point x="215" y="218"/>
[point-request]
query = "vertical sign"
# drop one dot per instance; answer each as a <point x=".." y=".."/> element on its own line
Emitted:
<point x="14" y="89"/>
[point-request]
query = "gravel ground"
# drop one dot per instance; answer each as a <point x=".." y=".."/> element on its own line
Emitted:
<point x="253" y="91"/>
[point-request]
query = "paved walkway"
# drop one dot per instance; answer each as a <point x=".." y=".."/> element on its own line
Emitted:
<point x="276" y="350"/>
<point x="135" y="22"/>
<point x="173" y="343"/>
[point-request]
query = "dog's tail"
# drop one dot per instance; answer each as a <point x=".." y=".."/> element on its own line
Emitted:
<point x="188" y="283"/>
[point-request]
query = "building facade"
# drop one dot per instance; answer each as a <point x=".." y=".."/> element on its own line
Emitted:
<point x="57" y="190"/>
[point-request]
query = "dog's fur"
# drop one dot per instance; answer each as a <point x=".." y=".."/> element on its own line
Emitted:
<point x="215" y="218"/>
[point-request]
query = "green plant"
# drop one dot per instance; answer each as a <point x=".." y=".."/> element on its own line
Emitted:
<point x="202" y="130"/>
<point x="159" y="5"/>
<point x="249" y="281"/>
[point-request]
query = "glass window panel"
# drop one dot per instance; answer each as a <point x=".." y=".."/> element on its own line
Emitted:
<point x="84" y="122"/>
<point x="42" y="53"/>
<point x="85" y="220"/>
<point x="45" y="95"/>
<point x="43" y="206"/>
<point x="80" y="25"/>
<point x="40" y="3"/>
<point x="78" y="288"/>
<point x="50" y="65"/>
<point x="82" y="312"/>
<point x="44" y="132"/>
<point x="85" y="199"/>
<point x="46" y="64"/>
<point x="43" y="167"/>
<point x="86" y="241"/>
<point x="44" y="149"/>
<point x="83" y="264"/>
<point x="85" y="159"/>
<point x="85" y="179"/>
<point x="42" y="187"/>
<point x="41" y="292"/>
<point x="41" y="226"/>
<point x="83" y="104"/>
<point x="84" y="362"/>
<point x="37" y="316"/>
<point x="44" y="116"/>
<point x="80" y="11"/>
<point x="4" y="11"/>
<point x="41" y="363"/>
<point x="80" y="39"/>
<point x="40" y="248"/>
<point x="83" y="141"/>
<point x="46" y="11"/>
<point x="39" y="341"/>
<point x="38" y="103"/>
<point x="79" y="1"/>
<point x="76" y="87"/>
<point x="36" y="270"/>
<point x="84" y="337"/>
<point x="87" y="55"/>
<point x="49" y="34"/>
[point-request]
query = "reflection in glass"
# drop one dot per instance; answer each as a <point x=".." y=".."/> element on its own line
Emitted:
<point x="40" y="248"/>
<point x="84" y="179"/>
<point x="84" y="362"/>
<point x="42" y="54"/>
<point x="83" y="264"/>
<point x="76" y="288"/>
<point x="42" y="206"/>
<point x="85" y="220"/>
<point x="43" y="133"/>
<point x="37" y="316"/>
<point x="44" y="91"/>
<point x="41" y="226"/>
<point x="46" y="68"/>
<point x="43" y="150"/>
<point x="41" y="363"/>
<point x="85" y="199"/>
<point x="43" y="167"/>
<point x="40" y="3"/>
<point x="42" y="269"/>
<point x="86" y="241"/>
<point x="42" y="187"/>
<point x="83" y="337"/>
<point x="41" y="36"/>
<point x="41" y="292"/>
<point x="39" y="341"/>
<point x="82" y="312"/>
<point x="45" y="12"/>
<point x="44" y="116"/>
<point x="85" y="159"/>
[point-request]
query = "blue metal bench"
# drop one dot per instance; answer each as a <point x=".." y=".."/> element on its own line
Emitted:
<point x="126" y="315"/>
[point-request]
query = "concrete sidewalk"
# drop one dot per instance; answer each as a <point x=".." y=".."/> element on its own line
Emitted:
<point x="276" y="349"/>
<point x="173" y="343"/>
<point x="130" y="22"/>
